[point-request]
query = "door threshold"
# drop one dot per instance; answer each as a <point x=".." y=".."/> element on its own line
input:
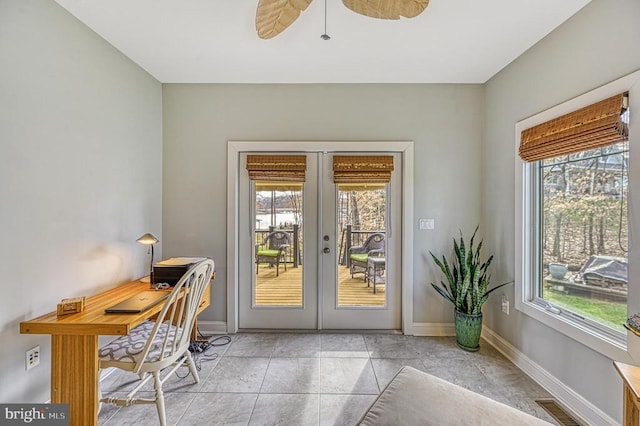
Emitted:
<point x="302" y="331"/>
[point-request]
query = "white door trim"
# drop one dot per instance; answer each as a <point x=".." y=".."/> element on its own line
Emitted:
<point x="234" y="148"/>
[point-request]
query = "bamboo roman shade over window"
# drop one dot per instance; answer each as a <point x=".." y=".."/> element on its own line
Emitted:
<point x="281" y="168"/>
<point x="362" y="169"/>
<point x="590" y="127"/>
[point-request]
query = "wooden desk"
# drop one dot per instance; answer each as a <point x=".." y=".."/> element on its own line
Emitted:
<point x="630" y="390"/>
<point x="74" y="346"/>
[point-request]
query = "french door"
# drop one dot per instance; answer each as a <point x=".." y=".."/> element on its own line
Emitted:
<point x="316" y="254"/>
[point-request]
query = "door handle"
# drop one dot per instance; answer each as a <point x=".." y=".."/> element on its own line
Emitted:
<point x="326" y="250"/>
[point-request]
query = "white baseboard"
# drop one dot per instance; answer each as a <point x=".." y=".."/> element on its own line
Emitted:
<point x="574" y="402"/>
<point x="433" y="329"/>
<point x="209" y="328"/>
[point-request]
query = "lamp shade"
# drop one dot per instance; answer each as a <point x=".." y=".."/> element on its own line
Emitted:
<point x="147" y="239"/>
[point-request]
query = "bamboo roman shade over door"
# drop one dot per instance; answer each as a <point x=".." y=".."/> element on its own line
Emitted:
<point x="591" y="127"/>
<point x="280" y="168"/>
<point x="362" y="168"/>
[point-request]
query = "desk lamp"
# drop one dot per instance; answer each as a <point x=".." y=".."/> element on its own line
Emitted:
<point x="150" y="240"/>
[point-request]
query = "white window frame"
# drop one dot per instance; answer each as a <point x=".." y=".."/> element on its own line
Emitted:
<point x="611" y="344"/>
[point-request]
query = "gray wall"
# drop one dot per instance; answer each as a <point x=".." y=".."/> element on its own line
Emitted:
<point x="81" y="143"/>
<point x="445" y="121"/>
<point x="598" y="45"/>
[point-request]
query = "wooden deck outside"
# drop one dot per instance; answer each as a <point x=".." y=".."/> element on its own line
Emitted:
<point x="286" y="289"/>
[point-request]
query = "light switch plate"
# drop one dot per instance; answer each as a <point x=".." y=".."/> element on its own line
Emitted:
<point x="427" y="224"/>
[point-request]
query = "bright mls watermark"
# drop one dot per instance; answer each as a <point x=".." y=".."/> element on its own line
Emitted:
<point x="34" y="414"/>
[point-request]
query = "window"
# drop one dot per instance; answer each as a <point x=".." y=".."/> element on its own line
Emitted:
<point x="573" y="216"/>
<point x="583" y="239"/>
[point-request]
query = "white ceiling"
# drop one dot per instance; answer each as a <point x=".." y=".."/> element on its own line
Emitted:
<point x="215" y="41"/>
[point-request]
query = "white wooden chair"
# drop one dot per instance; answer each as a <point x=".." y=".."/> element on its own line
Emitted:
<point x="155" y="345"/>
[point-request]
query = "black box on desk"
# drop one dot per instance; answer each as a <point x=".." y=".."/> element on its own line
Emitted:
<point x="171" y="270"/>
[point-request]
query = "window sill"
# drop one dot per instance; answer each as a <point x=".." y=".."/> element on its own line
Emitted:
<point x="577" y="331"/>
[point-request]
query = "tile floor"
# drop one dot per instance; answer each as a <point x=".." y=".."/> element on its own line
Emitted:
<point x="316" y="379"/>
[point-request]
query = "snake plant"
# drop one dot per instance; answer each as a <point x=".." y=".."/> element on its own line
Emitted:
<point x="467" y="279"/>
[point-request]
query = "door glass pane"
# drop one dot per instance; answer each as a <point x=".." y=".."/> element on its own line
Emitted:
<point x="278" y="244"/>
<point x="362" y="210"/>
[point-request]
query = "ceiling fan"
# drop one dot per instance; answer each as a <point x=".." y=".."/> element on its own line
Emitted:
<point x="275" y="16"/>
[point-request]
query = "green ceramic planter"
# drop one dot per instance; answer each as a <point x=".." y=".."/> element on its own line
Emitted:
<point x="468" y="329"/>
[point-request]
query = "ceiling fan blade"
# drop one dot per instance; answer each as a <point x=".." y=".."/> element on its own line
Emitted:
<point x="275" y="16"/>
<point x="387" y="9"/>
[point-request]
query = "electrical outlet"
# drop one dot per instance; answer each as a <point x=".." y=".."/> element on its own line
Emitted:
<point x="505" y="304"/>
<point x="32" y="357"/>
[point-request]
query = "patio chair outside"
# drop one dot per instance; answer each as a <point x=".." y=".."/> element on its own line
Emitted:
<point x="374" y="245"/>
<point x="273" y="250"/>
